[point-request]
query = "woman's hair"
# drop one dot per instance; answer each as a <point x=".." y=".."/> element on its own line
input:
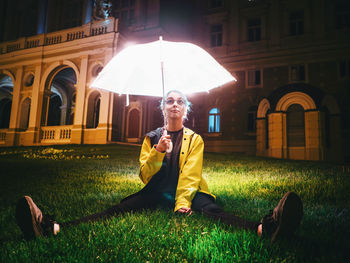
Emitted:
<point x="183" y="96"/>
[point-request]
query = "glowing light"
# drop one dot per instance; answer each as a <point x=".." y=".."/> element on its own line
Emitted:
<point x="137" y="70"/>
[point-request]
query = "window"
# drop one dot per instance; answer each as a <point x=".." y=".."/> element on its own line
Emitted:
<point x="96" y="116"/>
<point x="254" y="78"/>
<point x="344" y="68"/>
<point x="252" y="119"/>
<point x="297" y="73"/>
<point x="295" y="126"/>
<point x="72" y="11"/>
<point x="216" y="35"/>
<point x="254" y="29"/>
<point x="214" y="120"/>
<point x="296" y="23"/>
<point x="250" y="3"/>
<point x="125" y="10"/>
<point x="215" y="3"/>
<point x="342" y="16"/>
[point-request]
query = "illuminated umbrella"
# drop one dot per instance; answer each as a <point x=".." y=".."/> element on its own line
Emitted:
<point x="138" y="70"/>
<point x="154" y="68"/>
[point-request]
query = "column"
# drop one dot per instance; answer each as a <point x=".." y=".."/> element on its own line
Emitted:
<point x="276" y="134"/>
<point x="36" y="106"/>
<point x="78" y="125"/>
<point x="102" y="132"/>
<point x="313" y="136"/>
<point x="260" y="136"/>
<point x="112" y="108"/>
<point x="15" y="108"/>
<point x="63" y="115"/>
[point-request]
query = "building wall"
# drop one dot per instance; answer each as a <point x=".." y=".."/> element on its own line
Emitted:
<point x="83" y="50"/>
<point x="289" y="37"/>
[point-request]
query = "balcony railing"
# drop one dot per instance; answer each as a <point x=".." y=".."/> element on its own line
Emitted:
<point x="91" y="29"/>
<point x="56" y="134"/>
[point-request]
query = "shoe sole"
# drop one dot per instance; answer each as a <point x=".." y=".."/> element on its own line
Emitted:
<point x="290" y="216"/>
<point x="25" y="217"/>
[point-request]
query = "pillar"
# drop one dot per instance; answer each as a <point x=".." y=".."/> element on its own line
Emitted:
<point x="313" y="136"/>
<point x="16" y="96"/>
<point x="36" y="107"/>
<point x="276" y="134"/>
<point x="104" y="119"/>
<point x="77" y="130"/>
<point x="260" y="137"/>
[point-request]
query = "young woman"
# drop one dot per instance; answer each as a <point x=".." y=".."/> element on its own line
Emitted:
<point x="174" y="180"/>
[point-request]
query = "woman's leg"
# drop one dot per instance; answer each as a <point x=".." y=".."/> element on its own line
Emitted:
<point x="34" y="223"/>
<point x="205" y="204"/>
<point x="282" y="221"/>
<point x="132" y="203"/>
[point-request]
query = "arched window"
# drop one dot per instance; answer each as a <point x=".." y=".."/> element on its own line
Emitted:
<point x="214" y="120"/>
<point x="295" y="126"/>
<point x="96" y="111"/>
<point x="93" y="116"/>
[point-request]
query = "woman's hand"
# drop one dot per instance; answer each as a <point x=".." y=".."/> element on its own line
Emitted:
<point x="185" y="210"/>
<point x="163" y="143"/>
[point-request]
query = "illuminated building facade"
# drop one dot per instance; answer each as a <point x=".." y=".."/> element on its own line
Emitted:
<point x="291" y="60"/>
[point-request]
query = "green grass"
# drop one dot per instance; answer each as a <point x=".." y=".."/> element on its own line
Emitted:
<point x="74" y="181"/>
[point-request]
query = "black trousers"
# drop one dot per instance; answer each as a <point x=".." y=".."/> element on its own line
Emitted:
<point x="202" y="203"/>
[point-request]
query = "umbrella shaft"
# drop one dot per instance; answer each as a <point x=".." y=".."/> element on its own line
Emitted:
<point x="162" y="71"/>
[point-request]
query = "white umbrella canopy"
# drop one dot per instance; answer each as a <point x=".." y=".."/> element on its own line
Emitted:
<point x="154" y="68"/>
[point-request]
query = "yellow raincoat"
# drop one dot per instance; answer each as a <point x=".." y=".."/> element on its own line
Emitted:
<point x="190" y="167"/>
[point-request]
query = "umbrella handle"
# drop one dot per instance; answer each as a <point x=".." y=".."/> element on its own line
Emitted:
<point x="170" y="147"/>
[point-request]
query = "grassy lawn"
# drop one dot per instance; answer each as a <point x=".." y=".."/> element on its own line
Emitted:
<point x="73" y="181"/>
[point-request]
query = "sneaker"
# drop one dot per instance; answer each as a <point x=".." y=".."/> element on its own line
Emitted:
<point x="31" y="220"/>
<point x="284" y="219"/>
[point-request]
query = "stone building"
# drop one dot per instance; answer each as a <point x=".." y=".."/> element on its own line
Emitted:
<point x="291" y="60"/>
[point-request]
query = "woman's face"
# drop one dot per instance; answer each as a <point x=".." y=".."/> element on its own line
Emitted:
<point x="175" y="106"/>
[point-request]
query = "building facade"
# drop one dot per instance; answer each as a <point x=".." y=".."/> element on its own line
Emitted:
<point x="291" y="60"/>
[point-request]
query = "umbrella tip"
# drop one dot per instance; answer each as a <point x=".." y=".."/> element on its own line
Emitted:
<point x="160" y="38"/>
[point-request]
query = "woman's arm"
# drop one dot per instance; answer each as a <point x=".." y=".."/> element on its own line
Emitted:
<point x="150" y="160"/>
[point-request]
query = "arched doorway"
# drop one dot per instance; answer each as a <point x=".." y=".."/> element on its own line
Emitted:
<point x="5" y="113"/>
<point x="134" y="125"/>
<point x="60" y="103"/>
<point x="6" y="88"/>
<point x="295" y="126"/>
